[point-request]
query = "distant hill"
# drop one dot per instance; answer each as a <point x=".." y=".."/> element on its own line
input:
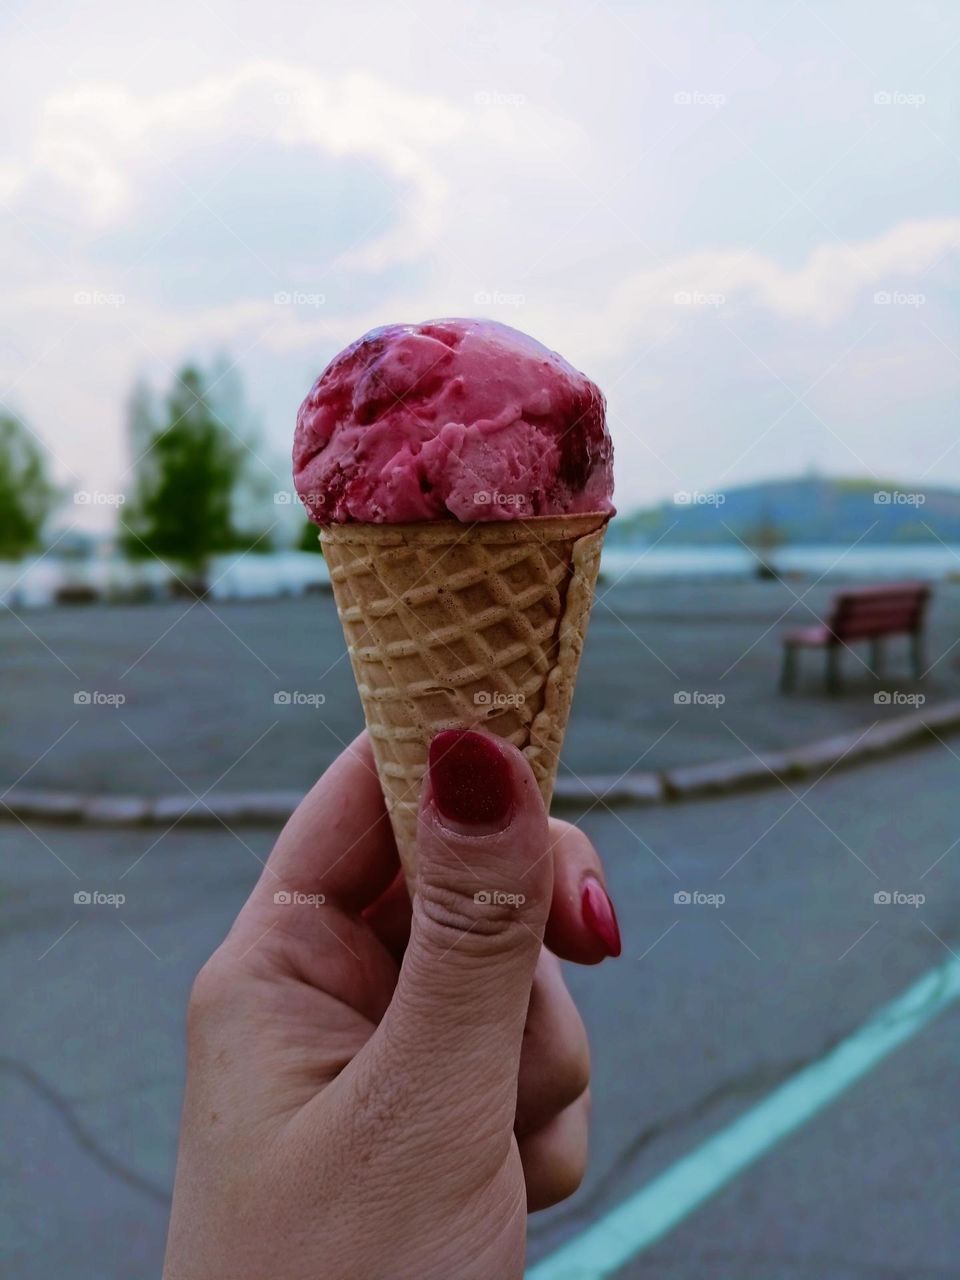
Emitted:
<point x="813" y="509"/>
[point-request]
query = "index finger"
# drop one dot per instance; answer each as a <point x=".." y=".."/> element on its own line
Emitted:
<point x="338" y="842"/>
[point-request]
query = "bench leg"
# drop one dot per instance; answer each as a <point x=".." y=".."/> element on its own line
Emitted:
<point x="788" y="672"/>
<point x="917" y="655"/>
<point x="833" y="668"/>
<point x="876" y="657"/>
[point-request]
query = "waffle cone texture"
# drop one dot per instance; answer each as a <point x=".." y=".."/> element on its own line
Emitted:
<point x="450" y="625"/>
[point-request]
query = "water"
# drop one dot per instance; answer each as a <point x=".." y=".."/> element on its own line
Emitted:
<point x="246" y="577"/>
<point x="931" y="561"/>
<point x="231" y="577"/>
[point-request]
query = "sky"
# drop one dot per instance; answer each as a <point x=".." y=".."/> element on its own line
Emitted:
<point x="741" y="220"/>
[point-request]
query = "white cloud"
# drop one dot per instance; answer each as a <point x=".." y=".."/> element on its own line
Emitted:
<point x="822" y="290"/>
<point x="96" y="142"/>
<point x="483" y="153"/>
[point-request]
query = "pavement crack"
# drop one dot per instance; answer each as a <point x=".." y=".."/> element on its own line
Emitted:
<point x="83" y="1138"/>
<point x="758" y="1079"/>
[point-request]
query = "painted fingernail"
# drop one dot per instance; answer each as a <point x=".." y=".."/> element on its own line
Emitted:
<point x="471" y="781"/>
<point x="599" y="915"/>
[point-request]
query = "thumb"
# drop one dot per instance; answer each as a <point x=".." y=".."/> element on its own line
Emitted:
<point x="484" y="882"/>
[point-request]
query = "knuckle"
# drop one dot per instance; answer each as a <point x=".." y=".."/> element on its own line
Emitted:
<point x="208" y="994"/>
<point x="549" y="1088"/>
<point x="570" y="841"/>
<point x="548" y="1185"/>
<point x="394" y="1118"/>
<point x="379" y="1096"/>
<point x="451" y="918"/>
<point x="574" y="1079"/>
<point x="567" y="1178"/>
<point x="378" y="1103"/>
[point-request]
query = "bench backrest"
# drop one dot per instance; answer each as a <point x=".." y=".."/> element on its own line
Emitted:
<point x="877" y="611"/>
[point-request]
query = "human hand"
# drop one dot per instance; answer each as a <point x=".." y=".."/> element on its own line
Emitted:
<point x="347" y="1117"/>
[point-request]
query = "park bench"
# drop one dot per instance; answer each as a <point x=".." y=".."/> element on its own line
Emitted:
<point x="863" y="613"/>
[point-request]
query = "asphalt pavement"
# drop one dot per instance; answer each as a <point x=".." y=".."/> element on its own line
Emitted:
<point x="259" y="695"/>
<point x="709" y="1009"/>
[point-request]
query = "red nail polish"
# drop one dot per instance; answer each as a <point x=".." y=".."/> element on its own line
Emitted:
<point x="471" y="780"/>
<point x="599" y="915"/>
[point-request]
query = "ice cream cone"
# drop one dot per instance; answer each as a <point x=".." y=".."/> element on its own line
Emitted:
<point x="453" y="625"/>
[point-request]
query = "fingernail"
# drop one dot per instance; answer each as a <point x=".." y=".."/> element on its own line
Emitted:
<point x="599" y="915"/>
<point x="471" y="781"/>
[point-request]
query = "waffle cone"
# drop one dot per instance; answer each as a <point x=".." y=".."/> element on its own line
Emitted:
<point x="450" y="625"/>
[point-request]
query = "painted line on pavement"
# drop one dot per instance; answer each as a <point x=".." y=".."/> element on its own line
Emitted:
<point x="645" y="1217"/>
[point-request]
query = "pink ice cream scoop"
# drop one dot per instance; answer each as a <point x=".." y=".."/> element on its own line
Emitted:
<point x="451" y="419"/>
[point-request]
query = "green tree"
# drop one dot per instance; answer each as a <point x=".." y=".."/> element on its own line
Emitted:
<point x="190" y="465"/>
<point x="309" y="538"/>
<point x="26" y="494"/>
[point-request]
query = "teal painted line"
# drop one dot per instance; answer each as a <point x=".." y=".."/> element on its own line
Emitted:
<point x="649" y="1214"/>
